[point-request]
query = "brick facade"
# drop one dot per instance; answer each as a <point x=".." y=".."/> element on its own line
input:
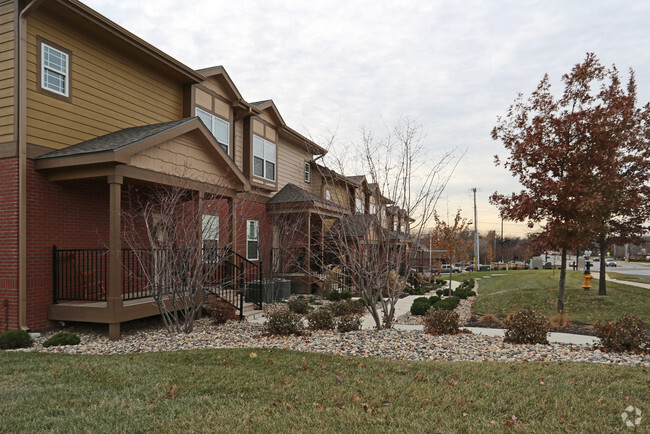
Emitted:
<point x="8" y="243"/>
<point x="72" y="214"/>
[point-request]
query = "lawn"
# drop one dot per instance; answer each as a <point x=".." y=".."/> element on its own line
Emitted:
<point x="627" y="277"/>
<point x="284" y="391"/>
<point x="513" y="290"/>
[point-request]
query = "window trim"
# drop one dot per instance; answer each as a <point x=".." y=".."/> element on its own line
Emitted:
<point x="257" y="239"/>
<point x="215" y="118"/>
<point x="41" y="42"/>
<point x="264" y="160"/>
<point x="307" y="172"/>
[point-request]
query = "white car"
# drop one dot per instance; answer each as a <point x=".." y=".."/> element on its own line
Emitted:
<point x="610" y="262"/>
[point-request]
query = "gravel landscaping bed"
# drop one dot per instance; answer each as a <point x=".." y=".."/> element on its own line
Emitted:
<point x="149" y="336"/>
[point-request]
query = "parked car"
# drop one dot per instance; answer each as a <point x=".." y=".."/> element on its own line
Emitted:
<point x="483" y="267"/>
<point x="446" y="268"/>
<point x="596" y="259"/>
<point x="610" y="262"/>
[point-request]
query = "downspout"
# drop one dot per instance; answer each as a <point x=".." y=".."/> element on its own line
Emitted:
<point x="21" y="126"/>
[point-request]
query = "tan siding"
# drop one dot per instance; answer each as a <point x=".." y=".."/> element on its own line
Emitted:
<point x="203" y="99"/>
<point x="7" y="56"/>
<point x="291" y="165"/>
<point x="109" y="91"/>
<point x="316" y="184"/>
<point x="239" y="144"/>
<point x="221" y="108"/>
<point x="181" y="157"/>
<point x="216" y="87"/>
<point x="265" y="116"/>
<point x="258" y="128"/>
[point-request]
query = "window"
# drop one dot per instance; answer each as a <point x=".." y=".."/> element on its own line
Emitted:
<point x="358" y="205"/>
<point x="54" y="70"/>
<point x="263" y="158"/>
<point x="328" y="194"/>
<point x="395" y="225"/>
<point x="373" y="209"/>
<point x="210" y="233"/>
<point x="219" y="128"/>
<point x="252" y="240"/>
<point x="307" y="172"/>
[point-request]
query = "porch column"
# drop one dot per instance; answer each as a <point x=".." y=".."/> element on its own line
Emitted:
<point x="232" y="216"/>
<point x="199" y="209"/>
<point x="308" y="264"/>
<point x="114" y="299"/>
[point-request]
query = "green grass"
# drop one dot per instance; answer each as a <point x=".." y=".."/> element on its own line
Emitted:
<point x="538" y="289"/>
<point x="627" y="278"/>
<point x="284" y="391"/>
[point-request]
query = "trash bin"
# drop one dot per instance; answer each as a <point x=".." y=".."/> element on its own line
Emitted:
<point x="253" y="293"/>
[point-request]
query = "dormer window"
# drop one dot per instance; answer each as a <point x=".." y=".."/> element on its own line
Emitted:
<point x="219" y="128"/>
<point x="264" y="158"/>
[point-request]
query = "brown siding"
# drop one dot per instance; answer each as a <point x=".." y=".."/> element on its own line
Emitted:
<point x="291" y="165"/>
<point x="7" y="54"/>
<point x="109" y="90"/>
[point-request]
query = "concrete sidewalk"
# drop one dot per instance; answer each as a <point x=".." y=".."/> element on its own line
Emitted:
<point x="402" y="306"/>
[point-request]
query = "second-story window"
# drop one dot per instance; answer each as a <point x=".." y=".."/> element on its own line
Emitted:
<point x="328" y="194"/>
<point x="54" y="70"/>
<point x="373" y="209"/>
<point x="264" y="158"/>
<point x="307" y="172"/>
<point x="395" y="225"/>
<point x="358" y="205"/>
<point x="219" y="128"/>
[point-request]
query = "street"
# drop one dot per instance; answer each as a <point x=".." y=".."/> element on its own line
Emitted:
<point x="636" y="269"/>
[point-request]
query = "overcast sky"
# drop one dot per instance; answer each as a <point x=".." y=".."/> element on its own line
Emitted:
<point x="453" y="65"/>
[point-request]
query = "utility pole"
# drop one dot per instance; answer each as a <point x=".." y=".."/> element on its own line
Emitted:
<point x="476" y="243"/>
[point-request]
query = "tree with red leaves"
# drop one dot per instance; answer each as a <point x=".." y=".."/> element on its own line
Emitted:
<point x="582" y="159"/>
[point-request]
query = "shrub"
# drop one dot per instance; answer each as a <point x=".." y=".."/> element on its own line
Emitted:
<point x="463" y="292"/>
<point x="15" y="339"/>
<point x="285" y="322"/>
<point x="489" y="319"/>
<point x="440" y="292"/>
<point x="525" y="327"/>
<point x="334" y="296"/>
<point x="415" y="291"/>
<point x="299" y="305"/>
<point x="441" y="322"/>
<point x="626" y="334"/>
<point x="434" y="299"/>
<point x="420" y="307"/>
<point x="348" y="307"/>
<point x="321" y="319"/>
<point x="346" y="295"/>
<point x="220" y="311"/>
<point x="348" y="323"/>
<point x="449" y="303"/>
<point x="62" y="338"/>
<point x="559" y="320"/>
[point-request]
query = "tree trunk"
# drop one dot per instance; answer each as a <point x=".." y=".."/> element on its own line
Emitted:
<point x="602" y="283"/>
<point x="560" y="295"/>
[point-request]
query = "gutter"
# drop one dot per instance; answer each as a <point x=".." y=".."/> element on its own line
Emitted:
<point x="21" y="126"/>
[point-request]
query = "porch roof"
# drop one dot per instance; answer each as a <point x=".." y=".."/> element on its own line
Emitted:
<point x="167" y="152"/>
<point x="293" y="197"/>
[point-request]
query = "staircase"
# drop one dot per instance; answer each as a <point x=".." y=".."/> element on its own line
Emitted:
<point x="251" y="312"/>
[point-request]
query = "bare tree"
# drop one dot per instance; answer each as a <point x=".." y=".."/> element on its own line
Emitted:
<point x="372" y="245"/>
<point x="176" y="247"/>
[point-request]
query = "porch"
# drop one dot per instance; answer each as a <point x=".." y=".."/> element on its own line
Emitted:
<point x="80" y="281"/>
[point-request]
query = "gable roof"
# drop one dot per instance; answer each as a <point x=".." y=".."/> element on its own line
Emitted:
<point x="354" y="226"/>
<point x="220" y="71"/>
<point x="291" y="193"/>
<point x="116" y="140"/>
<point x="121" y="147"/>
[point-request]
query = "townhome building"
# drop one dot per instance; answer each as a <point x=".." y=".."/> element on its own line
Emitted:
<point x="93" y="120"/>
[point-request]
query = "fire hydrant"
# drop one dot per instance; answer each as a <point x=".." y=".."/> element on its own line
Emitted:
<point x="586" y="284"/>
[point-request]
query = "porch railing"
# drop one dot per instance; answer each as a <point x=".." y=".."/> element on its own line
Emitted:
<point x="82" y="274"/>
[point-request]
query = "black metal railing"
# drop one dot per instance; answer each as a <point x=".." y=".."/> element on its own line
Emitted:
<point x="82" y="274"/>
